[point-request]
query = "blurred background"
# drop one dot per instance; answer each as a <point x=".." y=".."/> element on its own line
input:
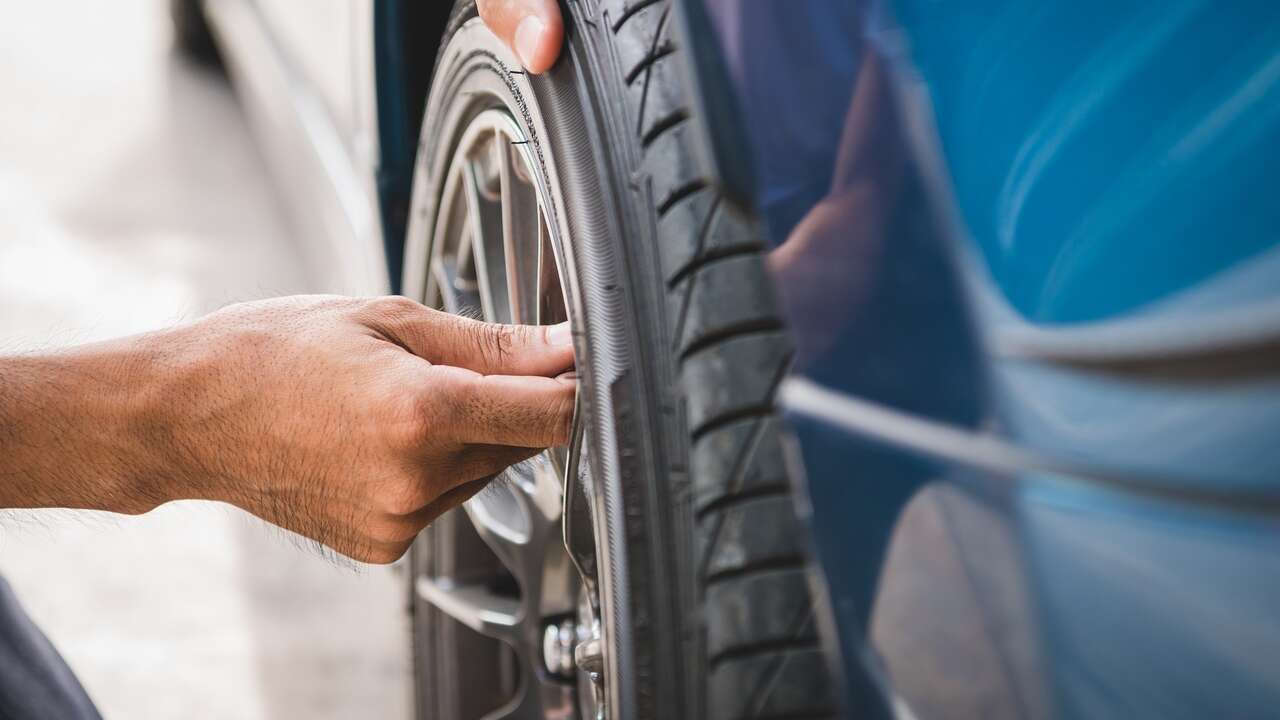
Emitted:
<point x="132" y="197"/>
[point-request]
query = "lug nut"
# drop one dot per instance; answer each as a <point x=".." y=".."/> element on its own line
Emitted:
<point x="558" y="642"/>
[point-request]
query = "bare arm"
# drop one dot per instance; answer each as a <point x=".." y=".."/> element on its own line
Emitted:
<point x="353" y="422"/>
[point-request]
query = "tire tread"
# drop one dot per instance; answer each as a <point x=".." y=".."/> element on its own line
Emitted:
<point x="756" y="606"/>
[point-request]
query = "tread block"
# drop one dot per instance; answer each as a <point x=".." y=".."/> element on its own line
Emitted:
<point x="668" y="162"/>
<point x="730" y="295"/>
<point x="618" y="10"/>
<point x="645" y="32"/>
<point x="757" y="532"/>
<point x="773" y="685"/>
<point x="657" y="93"/>
<point x="719" y="454"/>
<point x="700" y="226"/>
<point x="734" y="379"/>
<point x="759" y="609"/>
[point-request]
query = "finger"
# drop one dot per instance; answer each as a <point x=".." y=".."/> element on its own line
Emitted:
<point x="448" y="501"/>
<point x="533" y="29"/>
<point x="465" y="465"/>
<point x="486" y="348"/>
<point x="478" y="461"/>
<point x="521" y="411"/>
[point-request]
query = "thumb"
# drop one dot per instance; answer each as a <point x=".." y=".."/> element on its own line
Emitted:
<point x="533" y="29"/>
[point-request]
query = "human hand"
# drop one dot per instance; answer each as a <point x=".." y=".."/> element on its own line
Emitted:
<point x="353" y="422"/>
<point x="533" y="29"/>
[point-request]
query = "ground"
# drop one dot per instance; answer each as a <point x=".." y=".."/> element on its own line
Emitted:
<point x="132" y="197"/>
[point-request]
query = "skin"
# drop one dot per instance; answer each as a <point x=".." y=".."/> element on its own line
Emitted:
<point x="354" y="422"/>
<point x="533" y="29"/>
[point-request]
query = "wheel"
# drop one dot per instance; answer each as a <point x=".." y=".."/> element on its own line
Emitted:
<point x="191" y="34"/>
<point x="654" y="568"/>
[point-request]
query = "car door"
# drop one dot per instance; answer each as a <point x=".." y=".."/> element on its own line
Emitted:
<point x="316" y="38"/>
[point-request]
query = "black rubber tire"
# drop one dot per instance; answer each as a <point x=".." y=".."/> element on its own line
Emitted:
<point x="192" y="36"/>
<point x="754" y="613"/>
<point x="723" y="615"/>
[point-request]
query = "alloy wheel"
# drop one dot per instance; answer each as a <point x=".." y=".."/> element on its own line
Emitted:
<point x="527" y="589"/>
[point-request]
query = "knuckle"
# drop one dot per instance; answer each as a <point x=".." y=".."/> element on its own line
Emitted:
<point x="434" y="411"/>
<point x="414" y="427"/>
<point x="394" y="308"/>
<point x="448" y="405"/>
<point x="494" y="343"/>
<point x="403" y="500"/>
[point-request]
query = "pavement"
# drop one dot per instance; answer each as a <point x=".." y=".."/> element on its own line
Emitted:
<point x="132" y="197"/>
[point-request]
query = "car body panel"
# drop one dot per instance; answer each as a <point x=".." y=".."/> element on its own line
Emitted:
<point x="319" y="138"/>
<point x="1028" y="252"/>
<point x="318" y="39"/>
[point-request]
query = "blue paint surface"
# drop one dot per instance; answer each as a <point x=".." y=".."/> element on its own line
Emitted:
<point x="1052" y="225"/>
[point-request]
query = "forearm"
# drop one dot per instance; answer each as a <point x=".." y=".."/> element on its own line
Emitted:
<point x="77" y="428"/>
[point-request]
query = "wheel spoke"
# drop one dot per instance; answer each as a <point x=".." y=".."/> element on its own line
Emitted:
<point x="485" y="215"/>
<point x="576" y="528"/>
<point x="521" y="235"/>
<point x="475" y="606"/>
<point x="517" y="513"/>
<point x="451" y="253"/>
<point x="452" y="288"/>
<point x="551" y="307"/>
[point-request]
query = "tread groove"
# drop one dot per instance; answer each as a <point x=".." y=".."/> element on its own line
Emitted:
<point x="723" y="419"/>
<point x="683" y="317"/>
<point x="679" y="194"/>
<point x="704" y="230"/>
<point x="747" y="327"/>
<point x="762" y="691"/>
<point x="735" y="481"/>
<point x="630" y="11"/>
<point x="759" y="566"/>
<point x="763" y="409"/>
<point x="729" y="499"/>
<point x="647" y="61"/>
<point x="777" y="645"/>
<point x="648" y="75"/>
<point x="821" y="714"/>
<point x="663" y="125"/>
<point x="699" y="262"/>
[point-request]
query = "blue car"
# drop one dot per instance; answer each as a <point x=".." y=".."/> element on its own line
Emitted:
<point x="929" y="351"/>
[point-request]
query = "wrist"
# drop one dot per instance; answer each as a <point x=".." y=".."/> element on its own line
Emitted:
<point x="116" y="399"/>
<point x="75" y="429"/>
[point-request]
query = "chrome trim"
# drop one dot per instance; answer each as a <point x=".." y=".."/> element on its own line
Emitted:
<point x="1003" y="460"/>
<point x="1222" y="345"/>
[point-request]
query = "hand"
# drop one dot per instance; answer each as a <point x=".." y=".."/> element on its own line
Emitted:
<point x="533" y="29"/>
<point x="354" y="422"/>
<point x="357" y="422"/>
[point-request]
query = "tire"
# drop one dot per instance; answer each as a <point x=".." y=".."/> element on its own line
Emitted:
<point x="192" y="36"/>
<point x="705" y="602"/>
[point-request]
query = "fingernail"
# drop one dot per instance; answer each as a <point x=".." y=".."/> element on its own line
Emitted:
<point x="560" y="334"/>
<point x="528" y="35"/>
